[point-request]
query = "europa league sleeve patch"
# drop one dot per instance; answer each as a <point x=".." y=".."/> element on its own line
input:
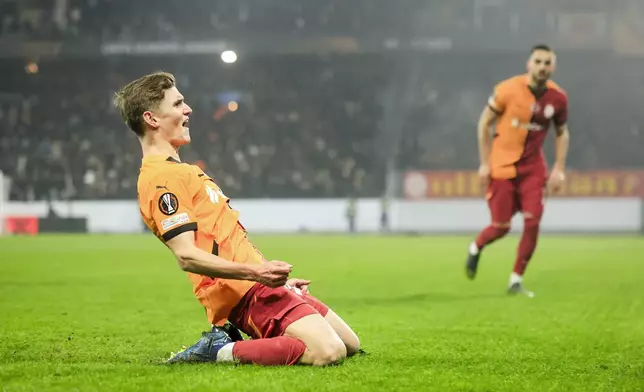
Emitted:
<point x="168" y="203"/>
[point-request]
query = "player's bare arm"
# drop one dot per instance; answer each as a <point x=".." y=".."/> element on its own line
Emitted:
<point x="562" y="141"/>
<point x="192" y="259"/>
<point x="488" y="116"/>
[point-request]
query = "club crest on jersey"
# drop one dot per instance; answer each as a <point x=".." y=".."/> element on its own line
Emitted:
<point x="168" y="203"/>
<point x="549" y="111"/>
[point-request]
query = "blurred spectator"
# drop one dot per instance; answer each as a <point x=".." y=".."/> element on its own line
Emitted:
<point x="272" y="127"/>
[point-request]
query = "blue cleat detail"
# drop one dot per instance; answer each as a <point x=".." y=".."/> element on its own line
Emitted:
<point x="205" y="350"/>
<point x="232" y="332"/>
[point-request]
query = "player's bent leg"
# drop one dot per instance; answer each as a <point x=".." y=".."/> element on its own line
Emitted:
<point x="277" y="351"/>
<point x="501" y="198"/>
<point x="287" y="328"/>
<point x="268" y="314"/>
<point x="346" y="334"/>
<point x="495" y="231"/>
<point x="323" y="345"/>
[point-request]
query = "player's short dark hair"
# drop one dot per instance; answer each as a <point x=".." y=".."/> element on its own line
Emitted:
<point x="141" y="95"/>
<point x="541" y="47"/>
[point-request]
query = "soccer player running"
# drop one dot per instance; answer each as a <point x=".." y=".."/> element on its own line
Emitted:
<point x="513" y="165"/>
<point x="189" y="213"/>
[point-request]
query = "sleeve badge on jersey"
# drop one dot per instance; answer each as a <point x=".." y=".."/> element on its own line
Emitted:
<point x="168" y="203"/>
<point x="174" y="221"/>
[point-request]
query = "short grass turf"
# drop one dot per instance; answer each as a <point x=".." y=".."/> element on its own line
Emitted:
<point x="102" y="313"/>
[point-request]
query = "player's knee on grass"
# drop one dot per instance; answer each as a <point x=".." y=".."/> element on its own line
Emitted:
<point x="352" y="345"/>
<point x="323" y="345"/>
<point x="346" y="334"/>
<point x="340" y="327"/>
<point x="327" y="353"/>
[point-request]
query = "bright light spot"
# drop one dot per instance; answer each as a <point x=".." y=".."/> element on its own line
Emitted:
<point x="31" y="68"/>
<point x="229" y="57"/>
<point x="233" y="106"/>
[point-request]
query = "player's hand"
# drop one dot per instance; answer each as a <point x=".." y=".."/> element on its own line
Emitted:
<point x="484" y="175"/>
<point x="556" y="181"/>
<point x="273" y="273"/>
<point x="300" y="286"/>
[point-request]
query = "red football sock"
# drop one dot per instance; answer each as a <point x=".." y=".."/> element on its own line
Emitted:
<point x="526" y="246"/>
<point x="489" y="235"/>
<point x="281" y="350"/>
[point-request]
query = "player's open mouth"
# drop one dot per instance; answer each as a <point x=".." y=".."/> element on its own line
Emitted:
<point x="185" y="123"/>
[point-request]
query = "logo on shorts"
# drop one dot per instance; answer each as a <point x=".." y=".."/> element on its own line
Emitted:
<point x="168" y="203"/>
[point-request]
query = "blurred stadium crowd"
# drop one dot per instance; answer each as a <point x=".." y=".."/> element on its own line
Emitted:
<point x="280" y="125"/>
<point x="113" y="20"/>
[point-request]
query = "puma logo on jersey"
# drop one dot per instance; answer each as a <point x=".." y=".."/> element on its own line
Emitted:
<point x="214" y="194"/>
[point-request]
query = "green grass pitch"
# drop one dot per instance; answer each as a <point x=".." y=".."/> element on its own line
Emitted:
<point x="97" y="312"/>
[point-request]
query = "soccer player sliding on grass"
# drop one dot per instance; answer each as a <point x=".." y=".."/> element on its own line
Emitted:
<point x="513" y="166"/>
<point x="190" y="214"/>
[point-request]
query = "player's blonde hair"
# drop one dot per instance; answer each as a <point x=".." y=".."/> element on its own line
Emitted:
<point x="140" y="95"/>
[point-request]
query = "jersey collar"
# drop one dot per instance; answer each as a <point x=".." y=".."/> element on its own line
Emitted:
<point x="159" y="158"/>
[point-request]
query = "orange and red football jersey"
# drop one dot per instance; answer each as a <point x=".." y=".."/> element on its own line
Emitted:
<point x="524" y="119"/>
<point x="176" y="197"/>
